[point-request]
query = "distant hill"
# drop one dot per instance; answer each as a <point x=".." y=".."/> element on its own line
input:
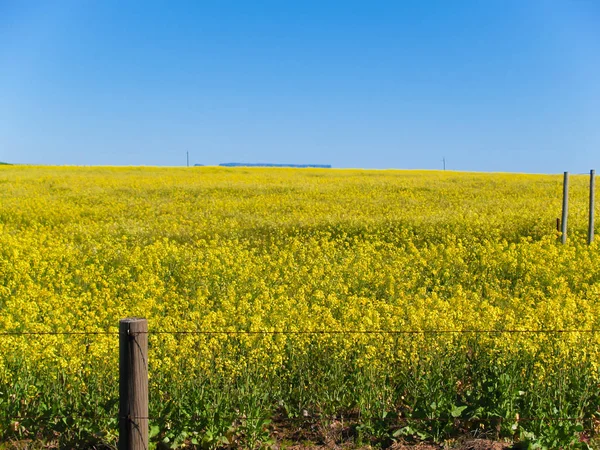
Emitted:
<point x="302" y="166"/>
<point x="5" y="164"/>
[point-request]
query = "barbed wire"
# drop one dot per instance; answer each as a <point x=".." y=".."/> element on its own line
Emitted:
<point x="399" y="419"/>
<point x="58" y="333"/>
<point x="549" y="331"/>
<point x="39" y="417"/>
<point x="275" y="418"/>
<point x="298" y="332"/>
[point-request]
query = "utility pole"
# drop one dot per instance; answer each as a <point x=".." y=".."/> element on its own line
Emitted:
<point x="444" y="161"/>
<point x="188" y="158"/>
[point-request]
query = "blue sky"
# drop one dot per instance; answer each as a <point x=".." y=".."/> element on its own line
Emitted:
<point x="494" y="85"/>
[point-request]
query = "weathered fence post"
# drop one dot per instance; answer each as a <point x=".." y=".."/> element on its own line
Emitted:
<point x="565" y="208"/>
<point x="133" y="384"/>
<point x="591" y="221"/>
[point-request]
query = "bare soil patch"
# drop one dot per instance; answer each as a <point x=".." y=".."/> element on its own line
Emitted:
<point x="339" y="435"/>
<point x="475" y="444"/>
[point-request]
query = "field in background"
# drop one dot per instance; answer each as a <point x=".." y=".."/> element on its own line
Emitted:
<point x="341" y="292"/>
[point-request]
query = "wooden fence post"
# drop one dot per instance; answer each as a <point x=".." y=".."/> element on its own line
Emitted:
<point x="591" y="221"/>
<point x="565" y="208"/>
<point x="133" y="384"/>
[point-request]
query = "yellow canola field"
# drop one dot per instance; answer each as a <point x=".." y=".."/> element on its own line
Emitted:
<point x="219" y="249"/>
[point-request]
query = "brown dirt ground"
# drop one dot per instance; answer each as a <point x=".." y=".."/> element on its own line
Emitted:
<point x="474" y="444"/>
<point x="338" y="436"/>
<point x="334" y="435"/>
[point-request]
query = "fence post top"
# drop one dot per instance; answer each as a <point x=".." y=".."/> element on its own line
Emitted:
<point x="133" y="323"/>
<point x="133" y="319"/>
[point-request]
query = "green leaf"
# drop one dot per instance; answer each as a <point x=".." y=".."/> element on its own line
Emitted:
<point x="154" y="430"/>
<point x="457" y="410"/>
<point x="422" y="435"/>
<point x="404" y="431"/>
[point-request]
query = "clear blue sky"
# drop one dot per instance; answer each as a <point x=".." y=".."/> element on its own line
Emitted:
<point x="491" y="85"/>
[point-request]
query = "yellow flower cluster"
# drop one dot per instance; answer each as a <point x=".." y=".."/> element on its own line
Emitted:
<point x="288" y="250"/>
